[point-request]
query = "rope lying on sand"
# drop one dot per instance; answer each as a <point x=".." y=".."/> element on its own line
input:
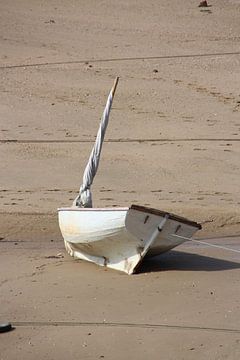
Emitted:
<point x="120" y="325"/>
<point x="140" y="58"/>
<point x="206" y="243"/>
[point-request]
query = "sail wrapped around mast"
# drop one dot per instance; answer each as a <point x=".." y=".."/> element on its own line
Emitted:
<point x="84" y="199"/>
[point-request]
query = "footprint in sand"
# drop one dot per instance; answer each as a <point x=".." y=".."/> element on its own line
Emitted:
<point x="188" y="118"/>
<point x="161" y="114"/>
<point x="176" y="81"/>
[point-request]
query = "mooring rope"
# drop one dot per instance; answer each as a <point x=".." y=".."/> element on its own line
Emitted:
<point x="206" y="243"/>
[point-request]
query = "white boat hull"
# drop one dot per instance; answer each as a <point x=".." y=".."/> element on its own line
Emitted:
<point x="120" y="238"/>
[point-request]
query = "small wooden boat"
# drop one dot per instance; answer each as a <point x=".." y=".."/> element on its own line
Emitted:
<point x="118" y="238"/>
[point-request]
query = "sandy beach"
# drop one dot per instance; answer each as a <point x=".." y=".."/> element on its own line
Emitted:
<point x="173" y="143"/>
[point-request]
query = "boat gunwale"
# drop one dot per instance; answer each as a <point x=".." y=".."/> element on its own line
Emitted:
<point x="142" y="209"/>
<point x="93" y="209"/>
<point x="165" y="213"/>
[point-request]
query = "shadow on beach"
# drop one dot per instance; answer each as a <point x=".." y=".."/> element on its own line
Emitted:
<point x="176" y="260"/>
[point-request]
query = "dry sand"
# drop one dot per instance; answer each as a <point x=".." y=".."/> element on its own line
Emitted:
<point x="173" y="143"/>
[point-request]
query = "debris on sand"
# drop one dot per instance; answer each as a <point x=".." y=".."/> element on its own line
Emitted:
<point x="203" y="4"/>
<point x="5" y="327"/>
<point x="58" y="256"/>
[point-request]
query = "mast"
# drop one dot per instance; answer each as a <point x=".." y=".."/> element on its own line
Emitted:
<point x="84" y="198"/>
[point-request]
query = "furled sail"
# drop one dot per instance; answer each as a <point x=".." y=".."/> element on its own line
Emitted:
<point x="84" y="199"/>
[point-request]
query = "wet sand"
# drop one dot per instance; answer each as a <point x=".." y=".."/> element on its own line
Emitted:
<point x="173" y="143"/>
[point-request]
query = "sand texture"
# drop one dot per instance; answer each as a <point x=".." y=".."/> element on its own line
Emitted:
<point x="173" y="143"/>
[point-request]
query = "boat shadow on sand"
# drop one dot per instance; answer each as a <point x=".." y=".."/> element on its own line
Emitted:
<point x="180" y="260"/>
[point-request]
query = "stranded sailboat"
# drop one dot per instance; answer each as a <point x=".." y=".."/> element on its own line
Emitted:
<point x="118" y="238"/>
